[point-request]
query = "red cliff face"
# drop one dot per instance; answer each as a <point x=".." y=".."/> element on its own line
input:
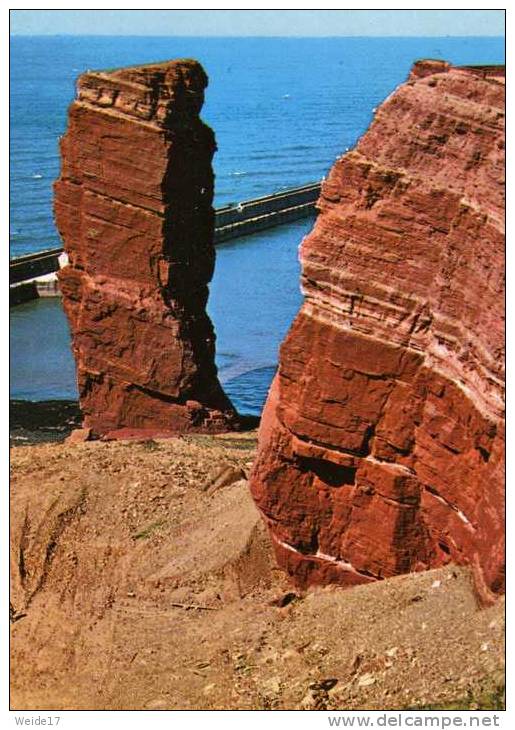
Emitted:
<point x="381" y="445"/>
<point x="133" y="205"/>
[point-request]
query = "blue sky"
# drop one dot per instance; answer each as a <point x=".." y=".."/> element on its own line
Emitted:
<point x="259" y="22"/>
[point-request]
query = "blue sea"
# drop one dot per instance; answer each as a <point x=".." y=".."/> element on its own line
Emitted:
<point x="282" y="109"/>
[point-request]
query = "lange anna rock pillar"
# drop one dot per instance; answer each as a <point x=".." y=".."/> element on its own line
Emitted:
<point x="133" y="205"/>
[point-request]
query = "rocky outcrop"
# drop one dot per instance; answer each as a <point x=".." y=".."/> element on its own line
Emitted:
<point x="381" y="445"/>
<point x="133" y="205"/>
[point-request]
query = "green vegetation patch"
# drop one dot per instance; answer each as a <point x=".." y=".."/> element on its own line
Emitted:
<point x="148" y="531"/>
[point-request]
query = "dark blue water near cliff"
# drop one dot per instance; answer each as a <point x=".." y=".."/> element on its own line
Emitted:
<point x="282" y="110"/>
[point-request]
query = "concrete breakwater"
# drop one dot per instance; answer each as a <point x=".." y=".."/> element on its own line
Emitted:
<point x="33" y="275"/>
<point x="255" y="215"/>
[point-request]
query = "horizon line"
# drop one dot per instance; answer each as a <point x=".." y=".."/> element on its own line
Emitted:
<point x="311" y="37"/>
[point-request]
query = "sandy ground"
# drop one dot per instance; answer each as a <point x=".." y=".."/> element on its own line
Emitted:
<point x="135" y="587"/>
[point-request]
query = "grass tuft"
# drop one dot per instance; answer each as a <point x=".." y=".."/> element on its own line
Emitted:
<point x="148" y="531"/>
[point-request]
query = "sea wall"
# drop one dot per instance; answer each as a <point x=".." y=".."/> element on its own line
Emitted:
<point x="381" y="448"/>
<point x="231" y="221"/>
<point x="259" y="214"/>
<point x="133" y="205"/>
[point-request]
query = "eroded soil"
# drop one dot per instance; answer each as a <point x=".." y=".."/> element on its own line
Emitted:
<point x="135" y="587"/>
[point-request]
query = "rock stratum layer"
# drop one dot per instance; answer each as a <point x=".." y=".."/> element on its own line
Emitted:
<point x="381" y="446"/>
<point x="133" y="205"/>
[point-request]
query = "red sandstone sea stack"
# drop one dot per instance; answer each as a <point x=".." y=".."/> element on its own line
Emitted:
<point x="133" y="205"/>
<point x="382" y="442"/>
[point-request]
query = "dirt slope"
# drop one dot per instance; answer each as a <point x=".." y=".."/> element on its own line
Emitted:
<point x="133" y="587"/>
